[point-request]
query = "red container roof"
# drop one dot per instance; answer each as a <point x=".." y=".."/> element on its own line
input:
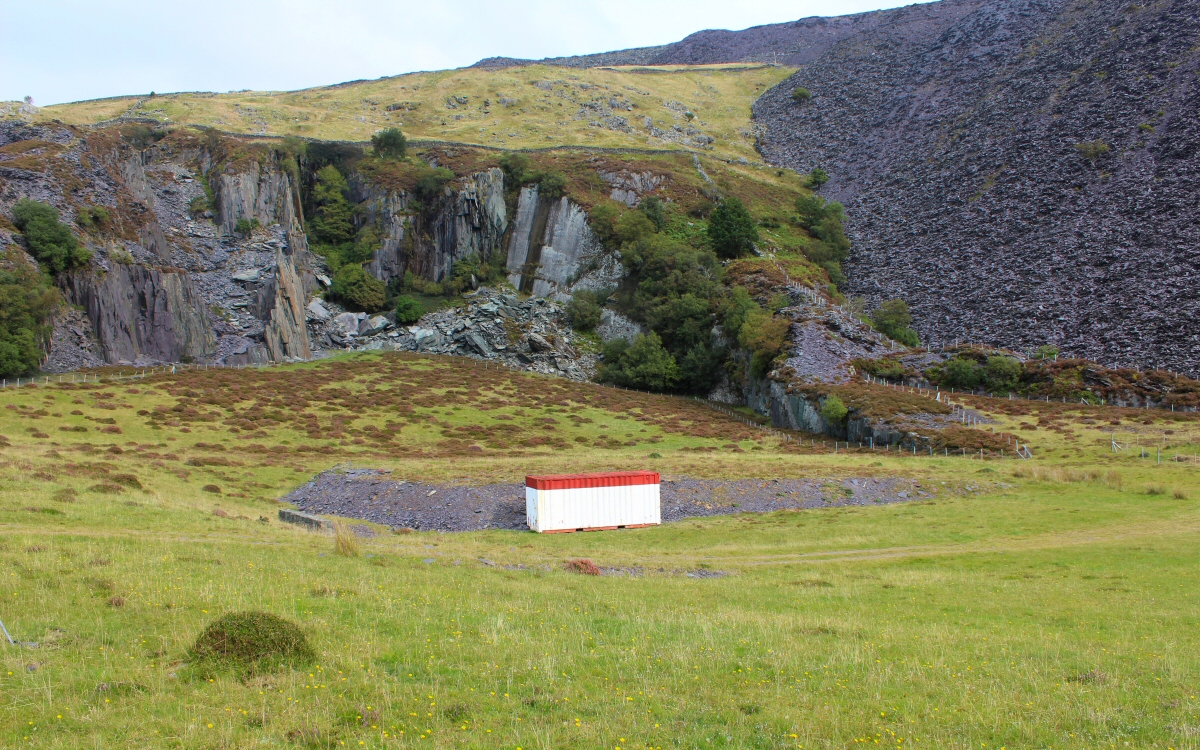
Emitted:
<point x="584" y="481"/>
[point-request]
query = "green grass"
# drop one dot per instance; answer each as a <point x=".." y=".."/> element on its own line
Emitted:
<point x="543" y="106"/>
<point x="1050" y="603"/>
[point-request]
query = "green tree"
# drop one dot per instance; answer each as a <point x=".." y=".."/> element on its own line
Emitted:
<point x="50" y="241"/>
<point x="700" y="369"/>
<point x="356" y="288"/>
<point x="1002" y="373"/>
<point x="389" y="144"/>
<point x="552" y="185"/>
<point x="333" y="221"/>
<point x="737" y="306"/>
<point x="653" y="208"/>
<point x="801" y="94"/>
<point x="644" y="364"/>
<point x="684" y="322"/>
<point x="817" y="178"/>
<point x="584" y="311"/>
<point x="408" y="310"/>
<point x="766" y="336"/>
<point x="731" y="230"/>
<point x="834" y="410"/>
<point x="961" y="372"/>
<point x="516" y="169"/>
<point x="893" y="319"/>
<point x="633" y="226"/>
<point x="27" y="300"/>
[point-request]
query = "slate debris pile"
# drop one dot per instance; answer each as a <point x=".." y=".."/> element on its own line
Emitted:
<point x="370" y="495"/>
<point x="1022" y="172"/>
<point x="526" y="334"/>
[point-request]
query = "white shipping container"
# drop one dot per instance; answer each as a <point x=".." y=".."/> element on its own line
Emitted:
<point x="592" y="502"/>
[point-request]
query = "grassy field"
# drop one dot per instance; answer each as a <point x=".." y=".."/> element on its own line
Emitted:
<point x="1033" y="604"/>
<point x="529" y="107"/>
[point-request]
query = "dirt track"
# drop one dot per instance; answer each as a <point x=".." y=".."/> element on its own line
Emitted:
<point x="371" y="495"/>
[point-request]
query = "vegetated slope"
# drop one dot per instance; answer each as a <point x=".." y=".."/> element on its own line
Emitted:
<point x="1024" y="174"/>
<point x="534" y="107"/>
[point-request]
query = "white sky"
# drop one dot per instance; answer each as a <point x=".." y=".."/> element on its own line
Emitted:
<point x="67" y="50"/>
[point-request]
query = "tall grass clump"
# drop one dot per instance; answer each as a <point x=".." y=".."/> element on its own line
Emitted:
<point x="255" y="641"/>
<point x="345" y="543"/>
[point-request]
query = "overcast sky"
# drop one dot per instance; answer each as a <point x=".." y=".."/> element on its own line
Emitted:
<point x="66" y="50"/>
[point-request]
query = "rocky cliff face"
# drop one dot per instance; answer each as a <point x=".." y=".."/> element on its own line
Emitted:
<point x="1021" y="172"/>
<point x="553" y="250"/>
<point x="165" y="285"/>
<point x="469" y="220"/>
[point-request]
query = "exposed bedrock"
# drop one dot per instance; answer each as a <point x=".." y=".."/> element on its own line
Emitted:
<point x="1023" y="173"/>
<point x="262" y="192"/>
<point x="553" y="251"/>
<point x="471" y="220"/>
<point x="142" y="314"/>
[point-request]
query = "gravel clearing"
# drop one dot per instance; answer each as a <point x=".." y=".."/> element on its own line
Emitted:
<point x="370" y="495"/>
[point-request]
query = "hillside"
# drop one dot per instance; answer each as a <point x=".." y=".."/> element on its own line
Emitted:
<point x="1022" y="174"/>
<point x="136" y="513"/>
<point x="532" y="107"/>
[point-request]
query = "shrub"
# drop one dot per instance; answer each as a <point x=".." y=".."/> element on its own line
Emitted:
<point x="252" y="640"/>
<point x="49" y="240"/>
<point x="766" y="336"/>
<point x="653" y="209"/>
<point x="834" y="410"/>
<point x="431" y="184"/>
<point x="516" y="169"/>
<point x="408" y="310"/>
<point x="389" y="144"/>
<point x="801" y="94"/>
<point x="731" y="230"/>
<point x="1092" y="150"/>
<point x="584" y="566"/>
<point x="583" y="311"/>
<point x="356" y="288"/>
<point x="27" y="301"/>
<point x="90" y="216"/>
<point x="817" y="178"/>
<point x="892" y="318"/>
<point x="1002" y="373"/>
<point x="1047" y="351"/>
<point x="961" y="372"/>
<point x="644" y="364"/>
<point x="552" y="185"/>
<point x="246" y="226"/>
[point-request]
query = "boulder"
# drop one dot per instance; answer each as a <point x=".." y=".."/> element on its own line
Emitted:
<point x="539" y="344"/>
<point x="317" y="311"/>
<point x="252" y="275"/>
<point x="371" y="326"/>
<point x="479" y="343"/>
<point x="325" y="280"/>
<point x="346" y="324"/>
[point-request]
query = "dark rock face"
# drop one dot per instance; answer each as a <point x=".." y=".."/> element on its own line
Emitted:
<point x="959" y="148"/>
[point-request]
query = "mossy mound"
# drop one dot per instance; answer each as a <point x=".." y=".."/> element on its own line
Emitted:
<point x="252" y="640"/>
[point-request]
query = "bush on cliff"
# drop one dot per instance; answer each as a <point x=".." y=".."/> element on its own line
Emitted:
<point x="49" y="240"/>
<point x="834" y="410"/>
<point x="389" y="144"/>
<point x="766" y="336"/>
<point x="357" y="289"/>
<point x="333" y="221"/>
<point x="27" y="301"/>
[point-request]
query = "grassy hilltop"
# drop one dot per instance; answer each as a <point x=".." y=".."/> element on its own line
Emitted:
<point x="513" y="108"/>
<point x="1043" y="603"/>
